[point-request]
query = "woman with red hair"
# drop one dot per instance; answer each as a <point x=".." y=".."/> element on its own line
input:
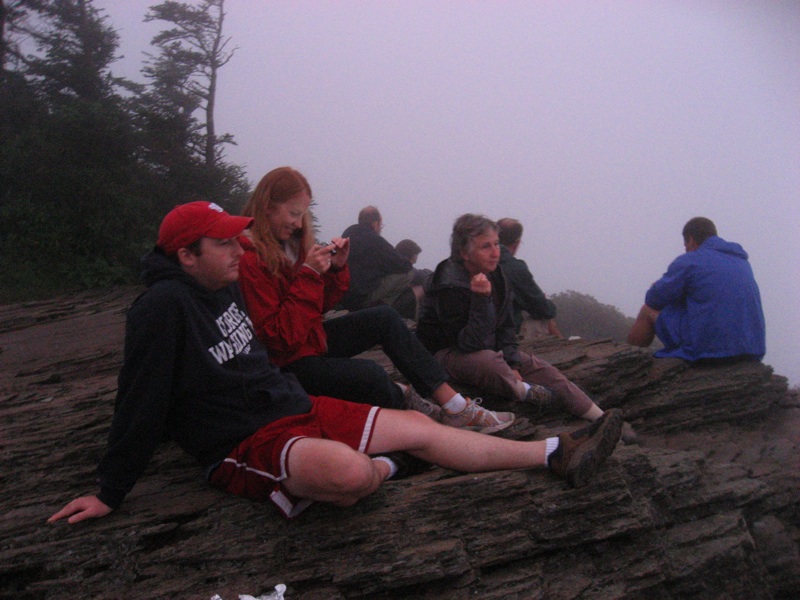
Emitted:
<point x="289" y="282"/>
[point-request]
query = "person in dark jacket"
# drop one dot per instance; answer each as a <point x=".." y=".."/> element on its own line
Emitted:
<point x="707" y="306"/>
<point x="195" y="372"/>
<point x="411" y="250"/>
<point x="379" y="274"/>
<point x="528" y="296"/>
<point x="419" y="277"/>
<point x="466" y="324"/>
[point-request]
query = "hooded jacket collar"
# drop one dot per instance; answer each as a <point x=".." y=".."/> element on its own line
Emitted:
<point x="719" y="245"/>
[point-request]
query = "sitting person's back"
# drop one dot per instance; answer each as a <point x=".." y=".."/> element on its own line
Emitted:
<point x="419" y="277"/>
<point x="707" y="306"/>
<point x="378" y="273"/>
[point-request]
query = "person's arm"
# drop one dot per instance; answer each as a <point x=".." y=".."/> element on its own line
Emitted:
<point x="141" y="407"/>
<point x="283" y="313"/>
<point x="527" y="294"/>
<point x="337" y="279"/>
<point x="673" y="286"/>
<point x="337" y="282"/>
<point x="552" y="328"/>
<point x="85" y="507"/>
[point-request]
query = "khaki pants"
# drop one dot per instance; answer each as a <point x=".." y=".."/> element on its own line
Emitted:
<point x="488" y="371"/>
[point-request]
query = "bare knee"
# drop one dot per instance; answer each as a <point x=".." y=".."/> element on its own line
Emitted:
<point x="328" y="471"/>
<point x="355" y="479"/>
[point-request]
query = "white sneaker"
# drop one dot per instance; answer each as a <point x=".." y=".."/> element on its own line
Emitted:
<point x="477" y="418"/>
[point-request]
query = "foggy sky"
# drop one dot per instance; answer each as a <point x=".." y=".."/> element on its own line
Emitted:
<point x="602" y="126"/>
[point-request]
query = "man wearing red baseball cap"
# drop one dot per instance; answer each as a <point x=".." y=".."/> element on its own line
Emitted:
<point x="195" y="372"/>
<point x="202" y="237"/>
<point x="187" y="223"/>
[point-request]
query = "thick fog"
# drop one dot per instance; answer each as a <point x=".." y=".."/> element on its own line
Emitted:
<point x="602" y="126"/>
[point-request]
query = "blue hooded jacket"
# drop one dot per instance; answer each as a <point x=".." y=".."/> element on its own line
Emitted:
<point x="710" y="305"/>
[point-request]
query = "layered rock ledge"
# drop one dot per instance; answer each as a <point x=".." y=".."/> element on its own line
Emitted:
<point x="706" y="506"/>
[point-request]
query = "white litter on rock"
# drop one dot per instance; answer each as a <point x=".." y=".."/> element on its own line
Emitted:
<point x="276" y="595"/>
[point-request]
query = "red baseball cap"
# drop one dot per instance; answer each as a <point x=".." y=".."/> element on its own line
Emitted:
<point x="187" y="223"/>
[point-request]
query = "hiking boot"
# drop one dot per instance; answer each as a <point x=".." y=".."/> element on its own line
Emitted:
<point x="582" y="452"/>
<point x="406" y="464"/>
<point x="413" y="401"/>
<point x="477" y="418"/>
<point x="539" y="396"/>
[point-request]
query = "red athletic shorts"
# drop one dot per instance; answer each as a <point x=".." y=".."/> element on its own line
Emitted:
<point x="257" y="467"/>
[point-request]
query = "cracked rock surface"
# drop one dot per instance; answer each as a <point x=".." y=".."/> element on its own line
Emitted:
<point x="706" y="506"/>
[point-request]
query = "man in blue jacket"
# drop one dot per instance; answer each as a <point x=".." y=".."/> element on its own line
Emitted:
<point x="195" y="372"/>
<point x="707" y="305"/>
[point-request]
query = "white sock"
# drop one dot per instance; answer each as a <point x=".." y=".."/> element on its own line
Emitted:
<point x="390" y="462"/>
<point x="455" y="405"/>
<point x="594" y="413"/>
<point x="550" y="446"/>
<point x="527" y="387"/>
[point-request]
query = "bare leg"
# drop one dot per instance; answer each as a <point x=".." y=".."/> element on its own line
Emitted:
<point x="449" y="447"/>
<point x="329" y="471"/>
<point x="576" y="456"/>
<point x="643" y="331"/>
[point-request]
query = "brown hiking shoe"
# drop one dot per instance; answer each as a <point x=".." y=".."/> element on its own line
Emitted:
<point x="581" y="453"/>
<point x="540" y="396"/>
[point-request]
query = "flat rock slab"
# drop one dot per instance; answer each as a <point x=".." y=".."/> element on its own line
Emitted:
<point x="707" y="506"/>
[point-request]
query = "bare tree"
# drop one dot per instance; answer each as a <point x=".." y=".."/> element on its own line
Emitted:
<point x="198" y="48"/>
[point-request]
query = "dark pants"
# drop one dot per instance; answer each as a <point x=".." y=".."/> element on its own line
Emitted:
<point x="360" y="380"/>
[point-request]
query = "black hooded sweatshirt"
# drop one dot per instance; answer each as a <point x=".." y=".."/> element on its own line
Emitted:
<point x="193" y="372"/>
